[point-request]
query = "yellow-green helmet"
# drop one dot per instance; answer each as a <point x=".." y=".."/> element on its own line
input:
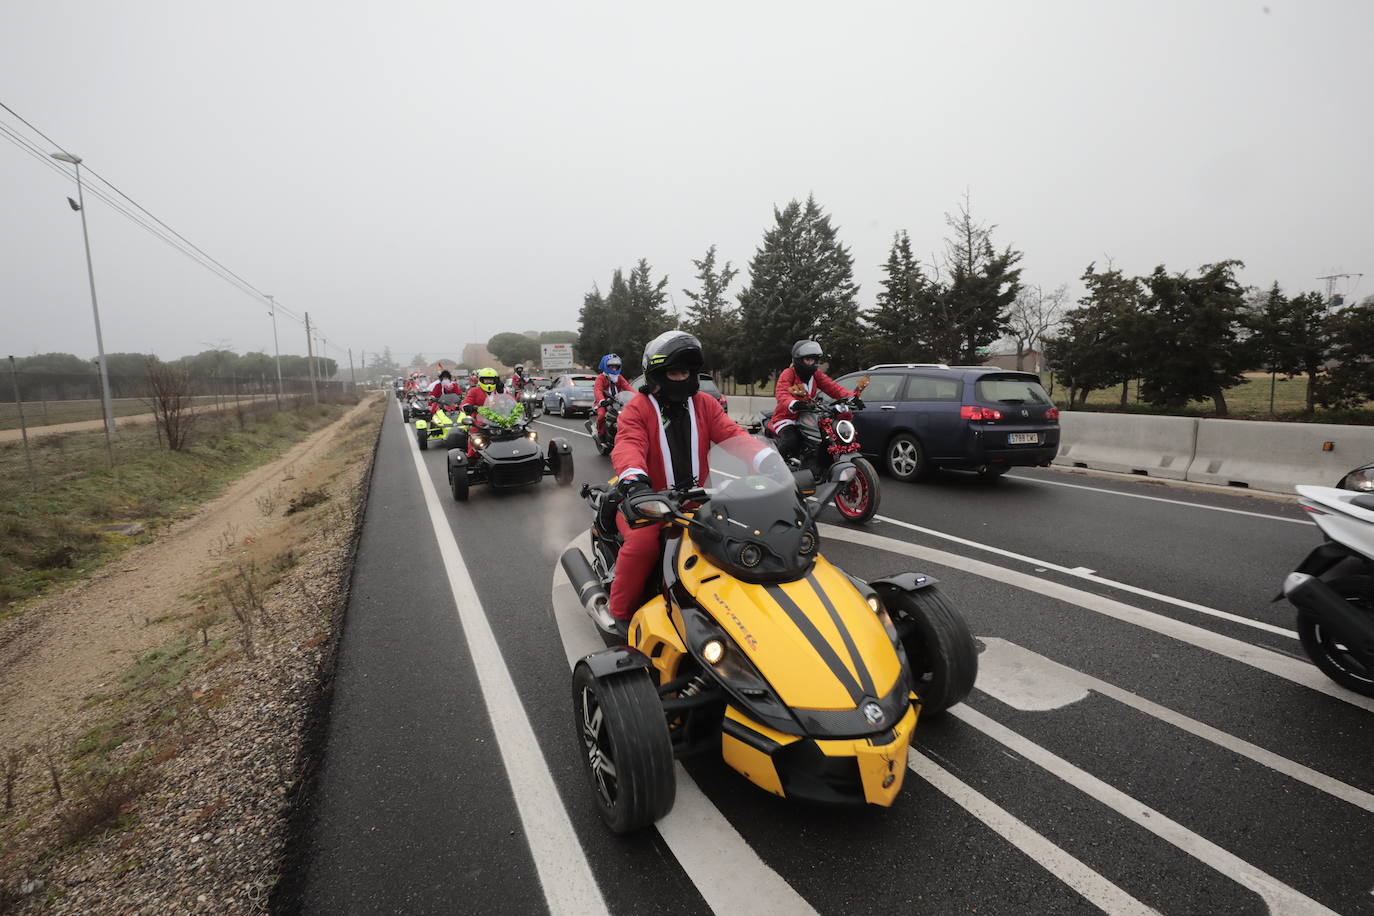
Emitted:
<point x="486" y="380"/>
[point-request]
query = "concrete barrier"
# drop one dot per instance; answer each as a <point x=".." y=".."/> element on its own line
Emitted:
<point x="743" y="408"/>
<point x="1127" y="443"/>
<point x="1277" y="456"/>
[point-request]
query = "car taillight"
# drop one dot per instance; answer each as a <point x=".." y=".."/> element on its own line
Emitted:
<point x="1052" y="413"/>
<point x="979" y="413"/>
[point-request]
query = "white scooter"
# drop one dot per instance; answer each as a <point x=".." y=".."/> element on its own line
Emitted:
<point x="1333" y="588"/>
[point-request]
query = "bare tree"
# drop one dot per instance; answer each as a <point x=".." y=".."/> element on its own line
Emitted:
<point x="1031" y="316"/>
<point x="171" y="396"/>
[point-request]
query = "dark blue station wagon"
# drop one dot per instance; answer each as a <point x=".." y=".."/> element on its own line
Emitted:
<point x="922" y="416"/>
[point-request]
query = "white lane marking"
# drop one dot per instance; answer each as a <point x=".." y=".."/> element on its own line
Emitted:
<point x="728" y="874"/>
<point x="1161" y="499"/>
<point x="1290" y="669"/>
<point x="1003" y="667"/>
<point x="566" y="429"/>
<point x="1095" y="888"/>
<point x="1089" y="576"/>
<point x="1083" y="572"/>
<point x="567" y="880"/>
<point x="1279" y="897"/>
<point x="1022" y="679"/>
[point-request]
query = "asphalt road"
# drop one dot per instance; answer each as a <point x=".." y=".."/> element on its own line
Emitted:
<point x="1145" y="733"/>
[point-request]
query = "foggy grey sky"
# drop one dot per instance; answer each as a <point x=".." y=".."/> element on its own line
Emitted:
<point x="421" y="175"/>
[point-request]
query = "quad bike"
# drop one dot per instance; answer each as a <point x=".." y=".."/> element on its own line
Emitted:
<point x="1333" y="588"/>
<point x="416" y="406"/>
<point x="806" y="680"/>
<point x="439" y="426"/>
<point x="503" y="452"/>
<point x="827" y="437"/>
<point x="604" y="443"/>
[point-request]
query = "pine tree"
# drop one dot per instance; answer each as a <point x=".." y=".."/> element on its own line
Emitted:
<point x="971" y="312"/>
<point x="1198" y="322"/>
<point x="710" y="316"/>
<point x="593" y="328"/>
<point x="636" y="312"/>
<point x="801" y="285"/>
<point x="895" y="320"/>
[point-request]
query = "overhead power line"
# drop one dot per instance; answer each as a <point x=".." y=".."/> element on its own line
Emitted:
<point x="157" y="227"/>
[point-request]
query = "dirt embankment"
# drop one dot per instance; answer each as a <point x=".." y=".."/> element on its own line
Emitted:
<point x="151" y="717"/>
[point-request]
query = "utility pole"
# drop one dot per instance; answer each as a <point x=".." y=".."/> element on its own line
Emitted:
<point x="310" y="360"/>
<point x="275" y="348"/>
<point x="351" y="377"/>
<point x="23" y="426"/>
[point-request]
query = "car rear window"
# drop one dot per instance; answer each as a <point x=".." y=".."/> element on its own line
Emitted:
<point x="1010" y="389"/>
<point x="583" y="381"/>
<point x="925" y="388"/>
<point x="708" y="385"/>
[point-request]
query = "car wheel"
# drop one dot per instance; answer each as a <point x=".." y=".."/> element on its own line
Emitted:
<point x="906" y="459"/>
<point x="460" y="484"/>
<point x="424" y="441"/>
<point x="627" y="751"/>
<point x="940" y="648"/>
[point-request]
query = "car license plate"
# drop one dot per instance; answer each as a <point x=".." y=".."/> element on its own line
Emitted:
<point x="1023" y="438"/>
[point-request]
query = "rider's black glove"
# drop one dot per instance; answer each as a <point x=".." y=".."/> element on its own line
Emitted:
<point x="856" y="403"/>
<point x="634" y="491"/>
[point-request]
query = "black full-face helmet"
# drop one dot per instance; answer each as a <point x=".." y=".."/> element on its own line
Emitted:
<point x="673" y="350"/>
<point x="802" y="351"/>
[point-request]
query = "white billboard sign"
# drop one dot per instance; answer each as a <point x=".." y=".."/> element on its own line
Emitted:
<point x="556" y="356"/>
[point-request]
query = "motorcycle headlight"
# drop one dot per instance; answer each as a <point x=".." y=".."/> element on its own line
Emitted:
<point x="844" y="431"/>
<point x="532" y="436"/>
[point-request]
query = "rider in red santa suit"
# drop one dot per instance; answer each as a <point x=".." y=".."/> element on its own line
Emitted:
<point x="662" y="441"/>
<point x="445" y="385"/>
<point x="797" y="382"/>
<point x="608" y="383"/>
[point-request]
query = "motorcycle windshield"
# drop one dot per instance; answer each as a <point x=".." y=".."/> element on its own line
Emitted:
<point x="449" y="400"/>
<point x="502" y="410"/>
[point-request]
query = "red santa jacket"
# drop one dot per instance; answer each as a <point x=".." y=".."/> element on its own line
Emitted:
<point x="641" y="445"/>
<point x="603" y="382"/>
<point x="784" y="415"/>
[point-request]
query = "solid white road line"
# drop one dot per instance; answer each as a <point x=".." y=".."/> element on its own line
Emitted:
<point x="566" y="429"/>
<point x="1029" y="681"/>
<point x="1280" y="898"/>
<point x="567" y="880"/>
<point x="1161" y="499"/>
<point x="1083" y="572"/>
<point x="1088" y="575"/>
<point x="1095" y="888"/>
<point x="727" y="872"/>
<point x="1290" y="669"/>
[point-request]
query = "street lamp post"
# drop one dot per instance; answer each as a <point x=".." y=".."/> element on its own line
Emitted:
<point x="275" y="347"/>
<point x="95" y="307"/>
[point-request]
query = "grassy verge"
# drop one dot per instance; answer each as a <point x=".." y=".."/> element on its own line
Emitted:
<point x="1247" y="401"/>
<point x="55" y="531"/>
<point x="198" y="737"/>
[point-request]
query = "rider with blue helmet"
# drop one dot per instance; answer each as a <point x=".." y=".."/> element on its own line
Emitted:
<point x="608" y="384"/>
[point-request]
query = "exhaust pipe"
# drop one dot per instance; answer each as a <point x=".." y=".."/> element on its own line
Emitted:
<point x="1310" y="594"/>
<point x="589" y="589"/>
